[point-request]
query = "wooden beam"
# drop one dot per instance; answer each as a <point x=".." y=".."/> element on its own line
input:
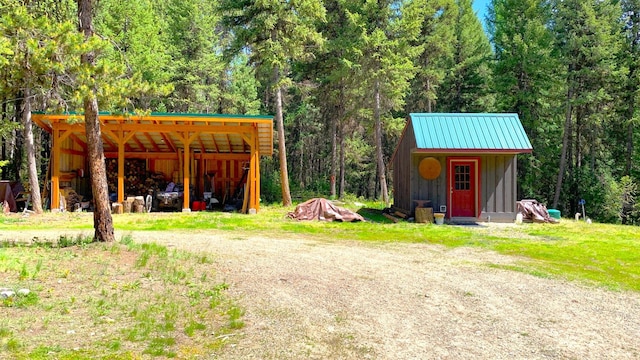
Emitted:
<point x="110" y="142"/>
<point x="202" y="148"/>
<point x="253" y="174"/>
<point x="55" y="174"/>
<point x="138" y="142"/>
<point x="73" y="152"/>
<point x="215" y="143"/>
<point x="174" y="156"/>
<point x="257" y="171"/>
<point x="169" y="143"/>
<point x="229" y="142"/>
<point x="164" y="128"/>
<point x="79" y="141"/>
<point x="153" y="142"/>
<point x="121" y="173"/>
<point x="186" y="177"/>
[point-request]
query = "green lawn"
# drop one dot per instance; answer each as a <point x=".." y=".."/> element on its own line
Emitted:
<point x="605" y="255"/>
<point x="112" y="301"/>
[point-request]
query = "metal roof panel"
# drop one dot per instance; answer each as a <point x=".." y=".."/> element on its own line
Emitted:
<point x="482" y="131"/>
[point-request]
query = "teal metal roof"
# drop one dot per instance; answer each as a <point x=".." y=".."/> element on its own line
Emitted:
<point x="170" y="115"/>
<point x="477" y="132"/>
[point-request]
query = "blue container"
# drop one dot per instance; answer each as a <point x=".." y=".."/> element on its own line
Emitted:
<point x="554" y="213"/>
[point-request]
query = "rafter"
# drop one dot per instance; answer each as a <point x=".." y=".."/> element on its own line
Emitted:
<point x="138" y="142"/>
<point x="79" y="141"/>
<point x="215" y="143"/>
<point x="152" y="142"/>
<point x="169" y="143"/>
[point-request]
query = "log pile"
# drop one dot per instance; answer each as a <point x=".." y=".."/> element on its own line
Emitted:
<point x="137" y="180"/>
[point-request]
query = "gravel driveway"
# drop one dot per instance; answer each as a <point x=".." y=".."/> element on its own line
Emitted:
<point x="347" y="300"/>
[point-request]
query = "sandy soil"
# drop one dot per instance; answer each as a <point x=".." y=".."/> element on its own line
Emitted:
<point x="348" y="300"/>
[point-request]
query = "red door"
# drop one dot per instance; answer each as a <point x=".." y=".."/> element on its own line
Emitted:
<point x="462" y="185"/>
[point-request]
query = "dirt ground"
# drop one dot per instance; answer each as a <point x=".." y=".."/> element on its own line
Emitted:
<point x="318" y="300"/>
<point x="349" y="300"/>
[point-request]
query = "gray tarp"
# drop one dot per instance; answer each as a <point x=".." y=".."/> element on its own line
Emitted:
<point x="7" y="195"/>
<point x="532" y="210"/>
<point x="323" y="209"/>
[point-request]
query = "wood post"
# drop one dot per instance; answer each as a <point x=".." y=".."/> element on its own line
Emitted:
<point x="55" y="176"/>
<point x="120" y="171"/>
<point x="186" y="177"/>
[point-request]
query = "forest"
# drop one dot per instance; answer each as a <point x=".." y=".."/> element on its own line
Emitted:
<point x="341" y="76"/>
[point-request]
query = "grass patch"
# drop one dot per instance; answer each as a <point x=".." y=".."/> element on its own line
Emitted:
<point x="603" y="254"/>
<point x="98" y="300"/>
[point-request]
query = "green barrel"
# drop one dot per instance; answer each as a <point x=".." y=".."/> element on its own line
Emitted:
<point x="554" y="213"/>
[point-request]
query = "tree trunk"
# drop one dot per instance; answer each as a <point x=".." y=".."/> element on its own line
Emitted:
<point x="334" y="157"/>
<point x="342" y="161"/>
<point x="5" y="168"/>
<point x="378" y="139"/>
<point x="284" y="174"/>
<point x="16" y="152"/>
<point x="102" y="221"/>
<point x="334" y="153"/>
<point x="629" y="155"/>
<point x="630" y="127"/>
<point x="565" y="146"/>
<point x="428" y="95"/>
<point x="32" y="167"/>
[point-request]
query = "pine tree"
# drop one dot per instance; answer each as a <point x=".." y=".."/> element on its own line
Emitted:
<point x="466" y="87"/>
<point x="102" y="221"/>
<point x="387" y="30"/>
<point x="140" y="42"/>
<point x="588" y="35"/>
<point x="436" y="52"/>
<point x="38" y="51"/>
<point x="526" y="81"/>
<point x="631" y="97"/>
<point x="276" y="33"/>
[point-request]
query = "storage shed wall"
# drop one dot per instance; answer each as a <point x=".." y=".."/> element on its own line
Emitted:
<point x="71" y="160"/>
<point x="434" y="190"/>
<point x="402" y="170"/>
<point x="498" y="192"/>
<point x="499" y="188"/>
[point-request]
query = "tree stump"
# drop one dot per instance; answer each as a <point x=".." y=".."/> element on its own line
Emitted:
<point x="128" y="205"/>
<point x="138" y="204"/>
<point x="116" y="208"/>
<point x="424" y="215"/>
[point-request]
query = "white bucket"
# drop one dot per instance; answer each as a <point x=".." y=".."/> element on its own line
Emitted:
<point x="439" y="218"/>
<point x="519" y="217"/>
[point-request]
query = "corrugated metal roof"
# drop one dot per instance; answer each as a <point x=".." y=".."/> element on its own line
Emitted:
<point x="459" y="132"/>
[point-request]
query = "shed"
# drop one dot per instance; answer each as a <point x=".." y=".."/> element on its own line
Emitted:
<point x="204" y="152"/>
<point x="463" y="165"/>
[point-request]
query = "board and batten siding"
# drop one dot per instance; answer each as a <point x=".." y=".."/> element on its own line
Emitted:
<point x="403" y="167"/>
<point x="423" y="189"/>
<point x="499" y="192"/>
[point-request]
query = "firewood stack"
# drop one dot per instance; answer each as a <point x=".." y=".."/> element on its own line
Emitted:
<point x="137" y="180"/>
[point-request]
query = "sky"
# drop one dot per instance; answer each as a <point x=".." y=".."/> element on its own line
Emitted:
<point x="480" y="7"/>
